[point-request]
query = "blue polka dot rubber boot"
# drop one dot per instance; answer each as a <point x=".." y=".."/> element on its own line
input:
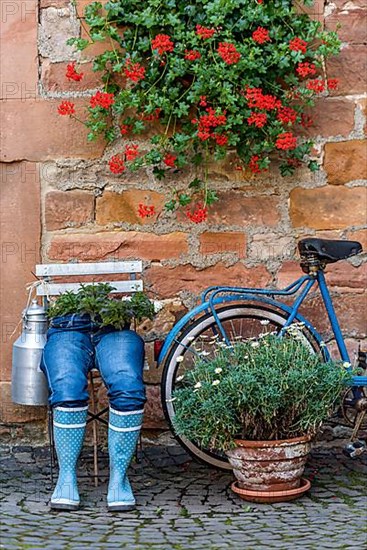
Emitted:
<point x="123" y="433"/>
<point x="69" y="428"/>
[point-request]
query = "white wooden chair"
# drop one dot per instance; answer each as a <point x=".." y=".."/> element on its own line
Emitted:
<point x="51" y="285"/>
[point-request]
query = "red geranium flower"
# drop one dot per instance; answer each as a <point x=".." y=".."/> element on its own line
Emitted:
<point x="169" y="160"/>
<point x="256" y="99"/>
<point x="257" y="119"/>
<point x="134" y="71"/>
<point x="131" y="152"/>
<point x="228" y="53"/>
<point x="287" y="115"/>
<point x="66" y="108"/>
<point x="199" y="214"/>
<point x="204" y="32"/>
<point x="261" y="35"/>
<point x="221" y="139"/>
<point x="316" y="85"/>
<point x="286" y="141"/>
<point x="192" y="55"/>
<point x="116" y="164"/>
<point x="254" y="164"/>
<point x="298" y="45"/>
<point x="102" y="99"/>
<point x="306" y="69"/>
<point x="125" y="129"/>
<point x="71" y="73"/>
<point x="162" y="43"/>
<point x="146" y="211"/>
<point x="332" y="83"/>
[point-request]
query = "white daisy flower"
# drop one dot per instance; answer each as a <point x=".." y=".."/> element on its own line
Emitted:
<point x="179" y="378"/>
<point x="179" y="359"/>
<point x="264" y="322"/>
<point x="197" y="385"/>
<point x="255" y="344"/>
<point x="218" y="370"/>
<point x="215" y="382"/>
<point x="346" y="365"/>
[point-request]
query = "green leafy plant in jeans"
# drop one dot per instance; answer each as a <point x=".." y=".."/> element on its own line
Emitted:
<point x="94" y="300"/>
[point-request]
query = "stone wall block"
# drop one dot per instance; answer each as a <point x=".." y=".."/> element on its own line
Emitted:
<point x="345" y="161"/>
<point x="220" y="243"/>
<point x="56" y="26"/>
<point x="20" y="248"/>
<point x="234" y="208"/>
<point x="11" y="413"/>
<point x="331" y="117"/>
<point x="350" y="25"/>
<point x="18" y="44"/>
<point x="36" y="132"/>
<point x="350" y="68"/>
<point x="123" y="207"/>
<point x="328" y="207"/>
<point x="168" y="282"/>
<point x="121" y="245"/>
<point x="54" y="80"/>
<point x="68" y="209"/>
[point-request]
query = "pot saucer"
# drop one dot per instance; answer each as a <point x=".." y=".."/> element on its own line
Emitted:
<point x="269" y="497"/>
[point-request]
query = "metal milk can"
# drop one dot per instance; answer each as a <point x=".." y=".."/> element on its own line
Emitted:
<point x="28" y="384"/>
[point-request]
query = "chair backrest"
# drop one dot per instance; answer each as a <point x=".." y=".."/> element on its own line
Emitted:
<point x="48" y="273"/>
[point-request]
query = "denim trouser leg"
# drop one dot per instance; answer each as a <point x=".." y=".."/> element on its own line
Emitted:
<point x="67" y="358"/>
<point x="120" y="360"/>
<point x="75" y="345"/>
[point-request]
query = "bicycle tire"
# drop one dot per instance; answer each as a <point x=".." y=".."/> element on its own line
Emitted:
<point x="253" y="312"/>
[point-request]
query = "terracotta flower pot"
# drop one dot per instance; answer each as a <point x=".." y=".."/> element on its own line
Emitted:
<point x="264" y="468"/>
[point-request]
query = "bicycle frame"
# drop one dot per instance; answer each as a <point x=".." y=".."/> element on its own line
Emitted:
<point x="213" y="296"/>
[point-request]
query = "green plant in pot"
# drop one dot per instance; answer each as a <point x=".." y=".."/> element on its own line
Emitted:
<point x="94" y="300"/>
<point x="260" y="401"/>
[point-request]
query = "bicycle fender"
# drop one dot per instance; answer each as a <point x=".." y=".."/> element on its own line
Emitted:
<point x="204" y="307"/>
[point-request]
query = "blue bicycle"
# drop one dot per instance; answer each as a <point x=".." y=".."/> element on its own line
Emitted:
<point x="230" y="313"/>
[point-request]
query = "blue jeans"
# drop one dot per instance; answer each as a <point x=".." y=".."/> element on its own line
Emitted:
<point x="75" y="345"/>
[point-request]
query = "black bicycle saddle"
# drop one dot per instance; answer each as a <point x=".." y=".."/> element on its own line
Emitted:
<point x="329" y="251"/>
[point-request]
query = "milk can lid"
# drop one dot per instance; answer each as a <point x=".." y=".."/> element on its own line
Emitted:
<point x="34" y="310"/>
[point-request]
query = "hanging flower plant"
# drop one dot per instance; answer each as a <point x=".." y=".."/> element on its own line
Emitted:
<point x="208" y="78"/>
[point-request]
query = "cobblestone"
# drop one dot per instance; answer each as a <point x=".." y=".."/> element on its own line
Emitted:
<point x="181" y="505"/>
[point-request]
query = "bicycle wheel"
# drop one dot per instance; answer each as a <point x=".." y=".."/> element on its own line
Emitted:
<point x="240" y="321"/>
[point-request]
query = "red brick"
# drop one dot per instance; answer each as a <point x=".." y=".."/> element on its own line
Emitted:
<point x="219" y="243"/>
<point x="20" y="243"/>
<point x="54" y="80"/>
<point x="288" y="273"/>
<point x="35" y="131"/>
<point x="363" y="106"/>
<point x="345" y="161"/>
<point x="123" y="207"/>
<point x="328" y="207"/>
<point x="360" y="235"/>
<point x="131" y="244"/>
<point x="233" y="208"/>
<point x="350" y="25"/>
<point x="10" y="413"/>
<point x="19" y="54"/>
<point x="68" y="209"/>
<point x="168" y="282"/>
<point x="331" y="117"/>
<point x="350" y="68"/>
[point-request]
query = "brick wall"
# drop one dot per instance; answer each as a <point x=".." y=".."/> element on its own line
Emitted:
<point x="60" y="203"/>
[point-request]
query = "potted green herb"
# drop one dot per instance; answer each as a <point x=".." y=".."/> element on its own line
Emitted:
<point x="94" y="300"/>
<point x="261" y="401"/>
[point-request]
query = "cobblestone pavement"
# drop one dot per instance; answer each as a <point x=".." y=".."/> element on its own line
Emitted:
<point x="182" y="505"/>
